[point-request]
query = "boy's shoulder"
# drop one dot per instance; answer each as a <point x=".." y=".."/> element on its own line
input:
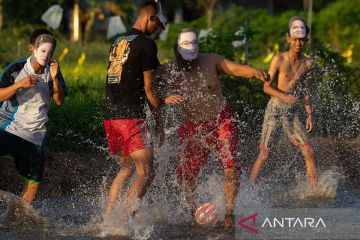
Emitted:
<point x="13" y="69"/>
<point x="278" y="59"/>
<point x="282" y="56"/>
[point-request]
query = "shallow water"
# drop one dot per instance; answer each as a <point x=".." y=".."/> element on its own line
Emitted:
<point x="78" y="217"/>
<point x="161" y="214"/>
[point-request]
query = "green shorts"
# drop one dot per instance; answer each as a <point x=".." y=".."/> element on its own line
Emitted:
<point x="29" y="158"/>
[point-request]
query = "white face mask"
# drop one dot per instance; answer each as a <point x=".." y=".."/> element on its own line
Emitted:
<point x="43" y="53"/>
<point x="297" y="29"/>
<point x="188" y="46"/>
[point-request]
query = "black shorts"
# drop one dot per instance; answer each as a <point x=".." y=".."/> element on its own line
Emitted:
<point x="29" y="157"/>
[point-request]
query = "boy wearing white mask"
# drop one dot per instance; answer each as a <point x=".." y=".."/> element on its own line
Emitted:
<point x="26" y="88"/>
<point x="192" y="82"/>
<point x="291" y="71"/>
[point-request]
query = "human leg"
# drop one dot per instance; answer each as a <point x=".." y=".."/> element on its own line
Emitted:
<point x="29" y="163"/>
<point x="29" y="193"/>
<point x="231" y="186"/>
<point x="191" y="160"/>
<point x="299" y="138"/>
<point x="131" y="138"/>
<point x="125" y="172"/>
<point x="268" y="130"/>
<point x="308" y="153"/>
<point x="143" y="167"/>
<point x="192" y="157"/>
<point x="259" y="163"/>
<point x="224" y="143"/>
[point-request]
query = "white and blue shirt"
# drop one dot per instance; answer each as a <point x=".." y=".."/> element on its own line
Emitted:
<point x="26" y="112"/>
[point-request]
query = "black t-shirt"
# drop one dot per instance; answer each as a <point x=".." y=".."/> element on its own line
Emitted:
<point x="130" y="55"/>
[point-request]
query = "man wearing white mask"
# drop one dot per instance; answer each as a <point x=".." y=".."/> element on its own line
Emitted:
<point x="26" y="89"/>
<point x="291" y="70"/>
<point x="192" y="82"/>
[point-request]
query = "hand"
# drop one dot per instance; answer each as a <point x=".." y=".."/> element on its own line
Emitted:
<point x="309" y="123"/>
<point x="289" y="99"/>
<point x="262" y="75"/>
<point x="54" y="69"/>
<point x="174" y="99"/>
<point x="28" y="81"/>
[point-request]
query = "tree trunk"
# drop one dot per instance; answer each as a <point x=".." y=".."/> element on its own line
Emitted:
<point x="209" y="15"/>
<point x="75" y="23"/>
<point x="306" y="5"/>
<point x="1" y="15"/>
<point x="179" y="14"/>
<point x="209" y="7"/>
<point x="309" y="18"/>
<point x="271" y="7"/>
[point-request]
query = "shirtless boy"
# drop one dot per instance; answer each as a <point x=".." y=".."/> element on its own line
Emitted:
<point x="290" y="72"/>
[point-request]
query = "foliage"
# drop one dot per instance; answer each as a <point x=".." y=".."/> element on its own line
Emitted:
<point x="220" y="44"/>
<point x="77" y="124"/>
<point x="335" y="94"/>
<point x="339" y="26"/>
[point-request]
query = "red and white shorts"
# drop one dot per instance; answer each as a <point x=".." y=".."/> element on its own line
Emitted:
<point x="219" y="136"/>
<point x="127" y="135"/>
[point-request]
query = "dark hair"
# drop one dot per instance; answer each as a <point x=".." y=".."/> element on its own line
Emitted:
<point x="148" y="4"/>
<point x="45" y="38"/>
<point x="36" y="33"/>
<point x="185" y="30"/>
<point x="297" y="18"/>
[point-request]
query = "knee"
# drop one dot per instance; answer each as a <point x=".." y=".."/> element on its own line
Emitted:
<point x="307" y="150"/>
<point x="232" y="174"/>
<point x="126" y="172"/>
<point x="264" y="152"/>
<point x="143" y="174"/>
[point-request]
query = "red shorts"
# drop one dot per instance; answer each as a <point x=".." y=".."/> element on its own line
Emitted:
<point x="197" y="140"/>
<point x="127" y="135"/>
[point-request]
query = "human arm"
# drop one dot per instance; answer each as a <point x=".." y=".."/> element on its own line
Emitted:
<point x="58" y="93"/>
<point x="226" y="66"/>
<point x="150" y="89"/>
<point x="165" y="85"/>
<point x="7" y="92"/>
<point x="307" y="98"/>
<point x="274" y="74"/>
<point x="309" y="118"/>
<point x="151" y="95"/>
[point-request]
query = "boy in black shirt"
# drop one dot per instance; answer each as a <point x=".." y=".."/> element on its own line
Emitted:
<point x="132" y="59"/>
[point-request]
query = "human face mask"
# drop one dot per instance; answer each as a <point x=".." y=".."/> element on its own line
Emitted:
<point x="43" y="53"/>
<point x="188" y="46"/>
<point x="297" y="29"/>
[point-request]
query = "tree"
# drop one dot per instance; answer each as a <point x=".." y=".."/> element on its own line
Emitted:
<point x="1" y="15"/>
<point x="209" y="6"/>
<point x="75" y="22"/>
<point x="206" y="6"/>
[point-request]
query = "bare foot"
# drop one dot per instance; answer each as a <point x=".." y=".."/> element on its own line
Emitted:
<point x="229" y="222"/>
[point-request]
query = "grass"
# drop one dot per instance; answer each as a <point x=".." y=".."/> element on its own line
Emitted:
<point x="77" y="124"/>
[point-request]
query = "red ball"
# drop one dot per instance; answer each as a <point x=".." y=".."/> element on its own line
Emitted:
<point x="206" y="215"/>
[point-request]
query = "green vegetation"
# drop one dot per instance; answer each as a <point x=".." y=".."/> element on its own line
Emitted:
<point x="77" y="125"/>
